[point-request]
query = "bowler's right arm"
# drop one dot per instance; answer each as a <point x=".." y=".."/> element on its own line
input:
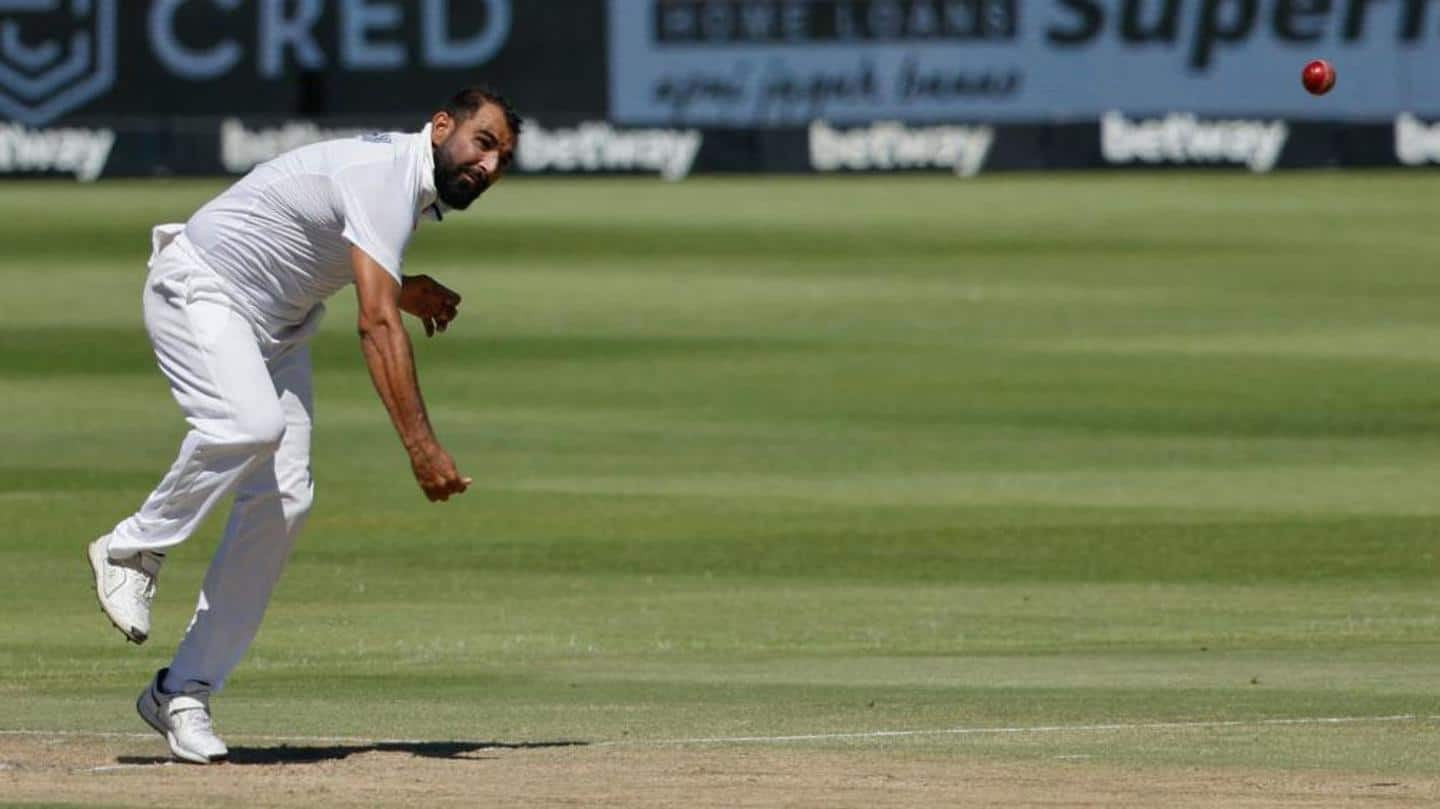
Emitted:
<point x="391" y="360"/>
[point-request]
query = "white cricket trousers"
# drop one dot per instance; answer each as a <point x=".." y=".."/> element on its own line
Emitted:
<point x="248" y="401"/>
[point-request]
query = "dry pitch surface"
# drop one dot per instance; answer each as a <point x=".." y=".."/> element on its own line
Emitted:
<point x="126" y="771"/>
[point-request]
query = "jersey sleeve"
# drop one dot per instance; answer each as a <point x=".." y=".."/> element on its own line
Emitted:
<point x="378" y="206"/>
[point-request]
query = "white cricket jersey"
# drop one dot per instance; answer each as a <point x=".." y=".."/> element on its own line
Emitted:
<point x="281" y="236"/>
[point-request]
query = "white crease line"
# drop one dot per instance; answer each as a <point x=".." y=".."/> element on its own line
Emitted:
<point x="100" y="734"/>
<point x="65" y="734"/>
<point x="981" y="731"/>
<point x="868" y="734"/>
<point x="114" y="767"/>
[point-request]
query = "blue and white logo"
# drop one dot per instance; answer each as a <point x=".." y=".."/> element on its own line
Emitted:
<point x="55" y="55"/>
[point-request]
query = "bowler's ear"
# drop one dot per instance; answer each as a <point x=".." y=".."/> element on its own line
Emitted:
<point x="441" y="124"/>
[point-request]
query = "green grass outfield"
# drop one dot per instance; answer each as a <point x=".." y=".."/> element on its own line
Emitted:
<point x="763" y="457"/>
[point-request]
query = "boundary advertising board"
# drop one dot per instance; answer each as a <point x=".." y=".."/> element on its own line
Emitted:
<point x="758" y="63"/>
<point x="233" y="146"/>
<point x="63" y="61"/>
<point x="94" y="88"/>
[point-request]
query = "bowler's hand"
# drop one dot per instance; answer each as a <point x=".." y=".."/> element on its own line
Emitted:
<point x="429" y="300"/>
<point x="436" y="473"/>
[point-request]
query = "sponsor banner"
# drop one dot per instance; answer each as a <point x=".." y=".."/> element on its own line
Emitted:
<point x="757" y="63"/>
<point x="73" y="63"/>
<point x="1416" y="143"/>
<point x="596" y="147"/>
<point x="593" y="147"/>
<point x="1183" y="139"/>
<point x="243" y="148"/>
<point x="232" y="146"/>
<point x="86" y="60"/>
<point x="70" y="152"/>
<point x="897" y="147"/>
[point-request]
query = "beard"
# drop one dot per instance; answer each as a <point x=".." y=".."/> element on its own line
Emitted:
<point x="456" y="187"/>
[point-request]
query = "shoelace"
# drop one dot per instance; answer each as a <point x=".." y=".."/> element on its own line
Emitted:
<point x="197" y="719"/>
<point x="147" y="565"/>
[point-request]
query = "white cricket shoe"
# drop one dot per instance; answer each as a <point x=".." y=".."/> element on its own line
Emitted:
<point x="183" y="718"/>
<point x="125" y="587"/>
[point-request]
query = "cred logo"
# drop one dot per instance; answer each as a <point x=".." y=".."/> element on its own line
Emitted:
<point x="55" y="55"/>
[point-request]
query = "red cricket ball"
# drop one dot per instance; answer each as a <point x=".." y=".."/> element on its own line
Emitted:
<point x="1318" y="77"/>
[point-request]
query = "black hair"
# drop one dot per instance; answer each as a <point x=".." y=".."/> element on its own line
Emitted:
<point x="467" y="102"/>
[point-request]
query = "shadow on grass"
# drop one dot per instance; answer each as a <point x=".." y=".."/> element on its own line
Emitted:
<point x="286" y="754"/>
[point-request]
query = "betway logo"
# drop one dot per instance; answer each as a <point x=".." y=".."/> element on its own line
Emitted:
<point x="81" y="153"/>
<point x="1416" y="143"/>
<point x="593" y="147"/>
<point x="1183" y="138"/>
<point x="890" y="146"/>
<point x="243" y="149"/>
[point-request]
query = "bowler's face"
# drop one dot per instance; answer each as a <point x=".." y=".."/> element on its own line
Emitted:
<point x="470" y="155"/>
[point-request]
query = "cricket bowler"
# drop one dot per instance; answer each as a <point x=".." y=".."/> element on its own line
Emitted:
<point x="232" y="299"/>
